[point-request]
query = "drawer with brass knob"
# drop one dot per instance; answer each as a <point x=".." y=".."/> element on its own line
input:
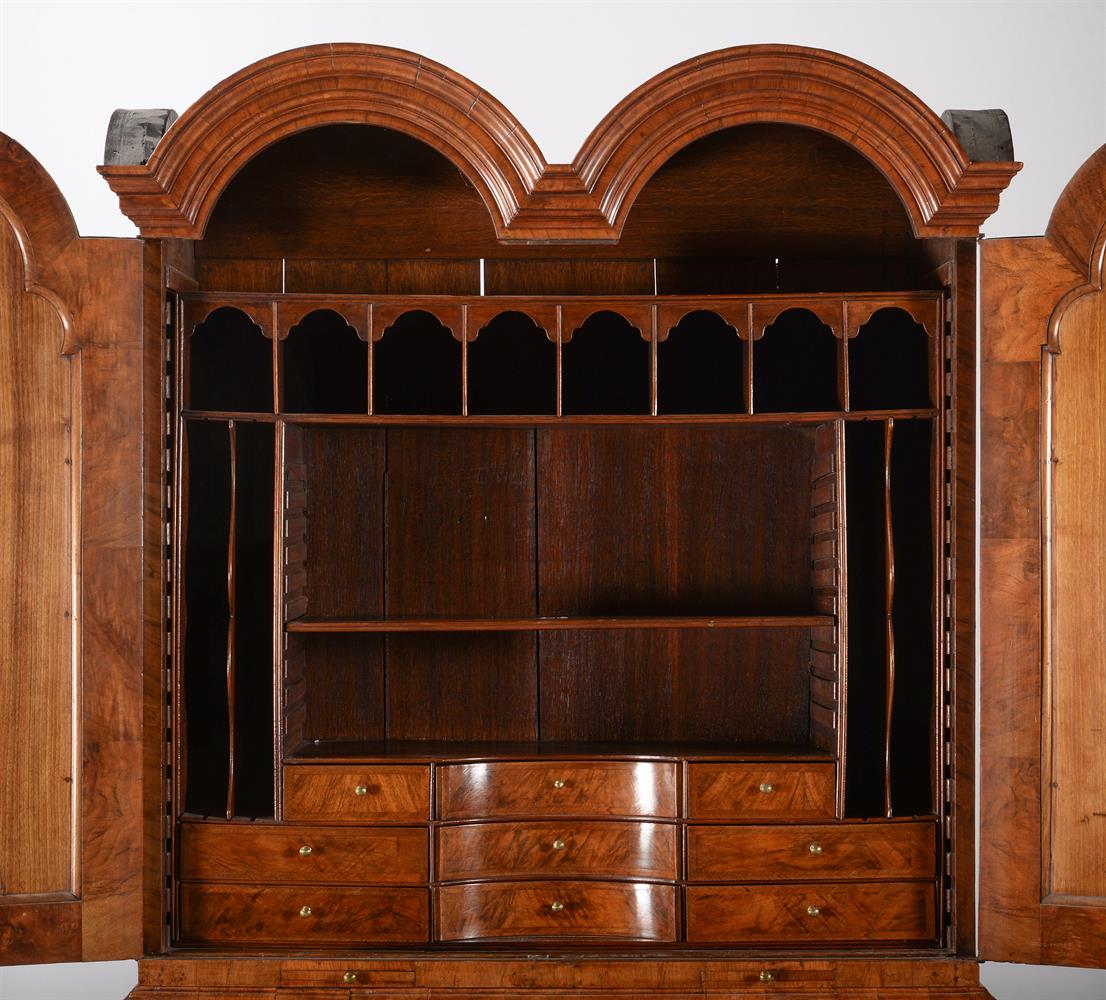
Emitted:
<point x="325" y="915"/>
<point x="615" y="911"/>
<point x="901" y="912"/>
<point x="859" y="850"/>
<point x="566" y="849"/>
<point x="600" y="789"/>
<point x="272" y="853"/>
<point x="761" y="791"/>
<point x="377" y="793"/>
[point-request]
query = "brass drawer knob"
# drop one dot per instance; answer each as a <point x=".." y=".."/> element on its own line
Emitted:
<point x="349" y="977"/>
<point x="815" y="848"/>
<point x="305" y="851"/>
<point x="558" y="844"/>
<point x="361" y="790"/>
<point x="556" y="906"/>
<point x="558" y="782"/>
<point x="813" y="911"/>
<point x="767" y="976"/>
<point x="767" y="787"/>
<point x="305" y="911"/>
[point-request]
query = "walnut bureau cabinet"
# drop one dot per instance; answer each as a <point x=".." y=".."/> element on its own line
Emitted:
<point x="427" y="571"/>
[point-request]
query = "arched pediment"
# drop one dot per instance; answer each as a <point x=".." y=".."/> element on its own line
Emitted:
<point x="529" y="200"/>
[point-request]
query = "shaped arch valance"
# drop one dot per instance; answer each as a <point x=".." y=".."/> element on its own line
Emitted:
<point x="529" y="200"/>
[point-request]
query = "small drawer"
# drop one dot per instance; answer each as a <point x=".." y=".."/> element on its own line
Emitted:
<point x="613" y="911"/>
<point x="761" y="791"/>
<point x="903" y="912"/>
<point x="840" y="850"/>
<point x="557" y="788"/>
<point x="382" y="794"/>
<point x="587" y="849"/>
<point x="302" y="915"/>
<point x="233" y="852"/>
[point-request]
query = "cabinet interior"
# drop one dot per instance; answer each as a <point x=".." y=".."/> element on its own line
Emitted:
<point x="680" y="497"/>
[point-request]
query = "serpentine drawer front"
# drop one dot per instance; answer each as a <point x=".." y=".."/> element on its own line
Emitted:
<point x="380" y="793"/>
<point x="561" y="850"/>
<point x="617" y="911"/>
<point x="268" y="854"/>
<point x="557" y="788"/>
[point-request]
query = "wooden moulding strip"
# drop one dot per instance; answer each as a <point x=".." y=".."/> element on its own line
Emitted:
<point x="232" y="432"/>
<point x="889" y="541"/>
<point x="552" y="624"/>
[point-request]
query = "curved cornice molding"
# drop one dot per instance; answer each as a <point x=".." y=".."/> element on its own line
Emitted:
<point x="529" y="200"/>
<point x="1077" y="228"/>
<point x="43" y="226"/>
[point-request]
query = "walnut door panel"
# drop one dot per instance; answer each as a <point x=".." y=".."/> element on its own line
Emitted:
<point x="301" y="915"/>
<point x="557" y="788"/>
<point x="595" y="910"/>
<point x="386" y="794"/>
<point x="267" y="854"/>
<point x="543" y="850"/>
<point x="761" y="791"/>
<point x="838" y="851"/>
<point x="808" y="914"/>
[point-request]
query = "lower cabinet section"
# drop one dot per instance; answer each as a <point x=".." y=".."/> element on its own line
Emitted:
<point x="303" y="915"/>
<point x="626" y="911"/>
<point x="812" y="913"/>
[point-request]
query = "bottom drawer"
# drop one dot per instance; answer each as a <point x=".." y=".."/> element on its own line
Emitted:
<point x="621" y="911"/>
<point x="220" y="914"/>
<point x="798" y="913"/>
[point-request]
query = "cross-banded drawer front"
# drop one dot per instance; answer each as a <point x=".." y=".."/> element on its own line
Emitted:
<point x="328" y="915"/>
<point x="271" y="854"/>
<point x="378" y="793"/>
<point x="846" y="850"/>
<point x="557" y="850"/>
<point x="761" y="791"/>
<point x="556" y="788"/>
<point x="797" y="913"/>
<point x="617" y="911"/>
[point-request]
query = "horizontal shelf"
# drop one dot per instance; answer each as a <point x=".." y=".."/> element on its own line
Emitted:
<point x="330" y="625"/>
<point x="530" y="420"/>
<point x="352" y="752"/>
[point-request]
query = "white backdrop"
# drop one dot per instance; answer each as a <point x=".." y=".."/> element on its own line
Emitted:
<point x="559" y="67"/>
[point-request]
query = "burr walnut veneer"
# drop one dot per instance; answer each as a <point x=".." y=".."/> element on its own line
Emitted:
<point x="431" y="571"/>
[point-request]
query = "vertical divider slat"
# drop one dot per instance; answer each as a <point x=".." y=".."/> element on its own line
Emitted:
<point x="232" y="533"/>
<point x="842" y="619"/>
<point x="464" y="360"/>
<point x="278" y="396"/>
<point x="369" y="332"/>
<point x="279" y="652"/>
<point x="653" y="359"/>
<point x="889" y="541"/>
<point x="843" y="359"/>
<point x="560" y="359"/>
<point x="748" y="355"/>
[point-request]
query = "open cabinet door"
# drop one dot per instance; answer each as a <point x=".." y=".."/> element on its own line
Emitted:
<point x="1043" y="587"/>
<point x="70" y="579"/>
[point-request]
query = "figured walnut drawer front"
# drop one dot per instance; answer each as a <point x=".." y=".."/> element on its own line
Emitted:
<point x="580" y="848"/>
<point x="858" y="911"/>
<point x="556" y="788"/>
<point x="384" y="794"/>
<point x="239" y="853"/>
<point x="218" y="914"/>
<point x="755" y="791"/>
<point x="610" y="910"/>
<point x="843" y="850"/>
